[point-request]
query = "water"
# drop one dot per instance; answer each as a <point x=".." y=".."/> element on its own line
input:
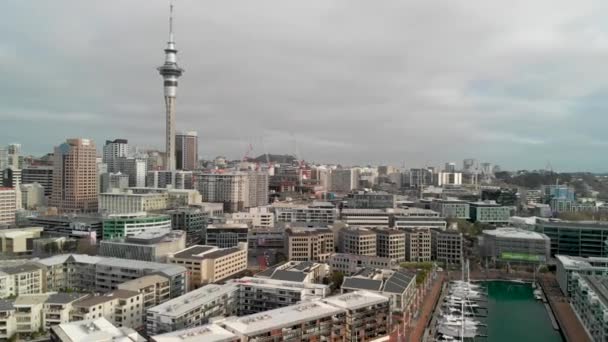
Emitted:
<point x="514" y="315"/>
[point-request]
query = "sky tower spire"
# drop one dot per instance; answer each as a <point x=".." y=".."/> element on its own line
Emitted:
<point x="170" y="72"/>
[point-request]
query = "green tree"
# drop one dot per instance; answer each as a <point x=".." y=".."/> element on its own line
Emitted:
<point x="336" y="279"/>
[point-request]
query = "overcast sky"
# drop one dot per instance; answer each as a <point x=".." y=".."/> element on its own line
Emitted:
<point x="517" y="83"/>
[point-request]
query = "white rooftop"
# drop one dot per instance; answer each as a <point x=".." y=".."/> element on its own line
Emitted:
<point x="96" y="330"/>
<point x="207" y="333"/>
<point x="574" y="262"/>
<point x="356" y="300"/>
<point x="278" y="284"/>
<point x="515" y="233"/>
<point x="192" y="300"/>
<point x="282" y="317"/>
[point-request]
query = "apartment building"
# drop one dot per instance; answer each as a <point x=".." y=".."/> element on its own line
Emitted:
<point x="418" y="244"/>
<point x="8" y="321"/>
<point x="8" y="206"/>
<point x="390" y="243"/>
<point x="398" y="285"/>
<point x="349" y="264"/>
<point x="116" y="226"/>
<point x="358" y="316"/>
<point x="126" y="201"/>
<point x="316" y="213"/>
<point x="209" y="264"/>
<point x="122" y="308"/>
<point x="193" y="309"/>
<point x="155" y="289"/>
<point x="28" y="312"/>
<point x="308" y="244"/>
<point x="207" y="333"/>
<point x="366" y="217"/>
<point x="93" y="330"/>
<point x="446" y="246"/>
<point x="360" y="241"/>
<point x="258" y="294"/>
<point x="567" y="266"/>
<point x="237" y="190"/>
<point x="225" y="235"/>
<point x="301" y="271"/>
<point x="58" y="307"/>
<point x="590" y="302"/>
<point x="18" y="279"/>
<point x="151" y="245"/>
<point x="78" y="271"/>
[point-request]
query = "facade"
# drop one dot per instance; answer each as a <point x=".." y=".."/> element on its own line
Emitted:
<point x="124" y="202"/>
<point x="112" y="150"/>
<point x="418" y="244"/>
<point x="154" y="245"/>
<point x="419" y="178"/>
<point x="259" y="295"/>
<point x="18" y="241"/>
<point x="122" y="308"/>
<point x="8" y="206"/>
<point x="575" y="238"/>
<point x="155" y="289"/>
<point x="337" y="318"/>
<point x="451" y="208"/>
<point x="399" y="286"/>
<point x="370" y="200"/>
<point x="303" y="271"/>
<point x="418" y="218"/>
<point x="259" y="217"/>
<point x="118" y="226"/>
<point x="32" y="196"/>
<point x="58" y="308"/>
<point x="135" y="168"/>
<point x="366" y="217"/>
<point x="514" y="245"/>
<point x="97" y="330"/>
<point x="42" y="175"/>
<point x="8" y="322"/>
<point x="209" y="264"/>
<point x="390" y="243"/>
<point x="186" y="151"/>
<point x="192" y="220"/>
<point x="568" y="266"/>
<point x="266" y="238"/>
<point x="110" y="181"/>
<point x="84" y="272"/>
<point x="193" y="309"/>
<point x="231" y="188"/>
<point x="489" y="212"/>
<point x="21" y="279"/>
<point x="590" y="302"/>
<point x="358" y="241"/>
<point x="75" y="179"/>
<point x="28" y="312"/>
<point x="344" y="180"/>
<point x="308" y="244"/>
<point x="447" y="246"/>
<point x="447" y="178"/>
<point x="317" y="212"/>
<point x="69" y="226"/>
<point x="349" y="264"/>
<point x="225" y="235"/>
<point x="170" y="179"/>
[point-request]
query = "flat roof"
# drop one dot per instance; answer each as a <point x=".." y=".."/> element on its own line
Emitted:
<point x="64" y="297"/>
<point x="515" y="233"/>
<point x="99" y="329"/>
<point x="207" y="333"/>
<point x="16" y="269"/>
<point x="144" y="281"/>
<point x="277" y="283"/>
<point x="580" y="262"/>
<point x="192" y="300"/>
<point x="194" y="252"/>
<point x="286" y="316"/>
<point x="356" y="300"/>
<point x="31" y="299"/>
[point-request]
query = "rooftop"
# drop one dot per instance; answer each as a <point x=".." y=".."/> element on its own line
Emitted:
<point x="599" y="286"/>
<point x="574" y="262"/>
<point x="6" y="305"/>
<point x="95" y="330"/>
<point x="278" y="283"/>
<point x="31" y="299"/>
<point x="192" y="300"/>
<point x="356" y="300"/>
<point x="23" y="268"/>
<point x="143" y="282"/>
<point x="286" y="316"/>
<point x="207" y="333"/>
<point x="515" y="233"/>
<point x="64" y="298"/>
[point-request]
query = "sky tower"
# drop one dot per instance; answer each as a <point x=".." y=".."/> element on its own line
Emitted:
<point x="170" y="73"/>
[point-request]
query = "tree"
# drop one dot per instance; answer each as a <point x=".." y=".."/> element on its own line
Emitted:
<point x="336" y="279"/>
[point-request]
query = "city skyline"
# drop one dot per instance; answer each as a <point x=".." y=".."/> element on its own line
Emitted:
<point x="513" y="87"/>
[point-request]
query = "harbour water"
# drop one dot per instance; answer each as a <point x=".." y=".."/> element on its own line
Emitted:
<point x="514" y="315"/>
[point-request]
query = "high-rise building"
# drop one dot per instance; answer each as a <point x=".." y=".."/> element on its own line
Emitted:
<point x="42" y="175"/>
<point x="8" y="206"/>
<point x="75" y="176"/>
<point x="468" y="165"/>
<point x="136" y="168"/>
<point x="450" y="167"/>
<point x="112" y="150"/>
<point x="237" y="190"/>
<point x="170" y="73"/>
<point x="186" y="151"/>
<point x="344" y="180"/>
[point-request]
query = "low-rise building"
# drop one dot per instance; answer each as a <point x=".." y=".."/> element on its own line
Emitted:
<point x="451" y="208"/>
<point x="308" y="244"/>
<point x="225" y="235"/>
<point x="390" y="243"/>
<point x="366" y="217"/>
<point x="370" y="200"/>
<point x="150" y="245"/>
<point x="206" y="333"/>
<point x="122" y="308"/>
<point x="155" y="289"/>
<point x="58" y="307"/>
<point x="567" y="266"/>
<point x="21" y="279"/>
<point x="266" y="238"/>
<point x="28" y="312"/>
<point x="399" y="285"/>
<point x="209" y="264"/>
<point x="18" y="242"/>
<point x="514" y="245"/>
<point x="118" y="226"/>
<point x="317" y="212"/>
<point x="126" y="201"/>
<point x="93" y="330"/>
<point x="258" y="217"/>
<point x="358" y="241"/>
<point x="348" y="264"/>
<point x="192" y="309"/>
<point x="446" y="246"/>
<point x="575" y="238"/>
<point x="8" y="321"/>
<point x="489" y="212"/>
<point x="418" y="244"/>
<point x="590" y="302"/>
<point x="302" y="271"/>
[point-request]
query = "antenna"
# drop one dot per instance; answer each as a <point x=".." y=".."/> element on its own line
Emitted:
<point x="171" y="20"/>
